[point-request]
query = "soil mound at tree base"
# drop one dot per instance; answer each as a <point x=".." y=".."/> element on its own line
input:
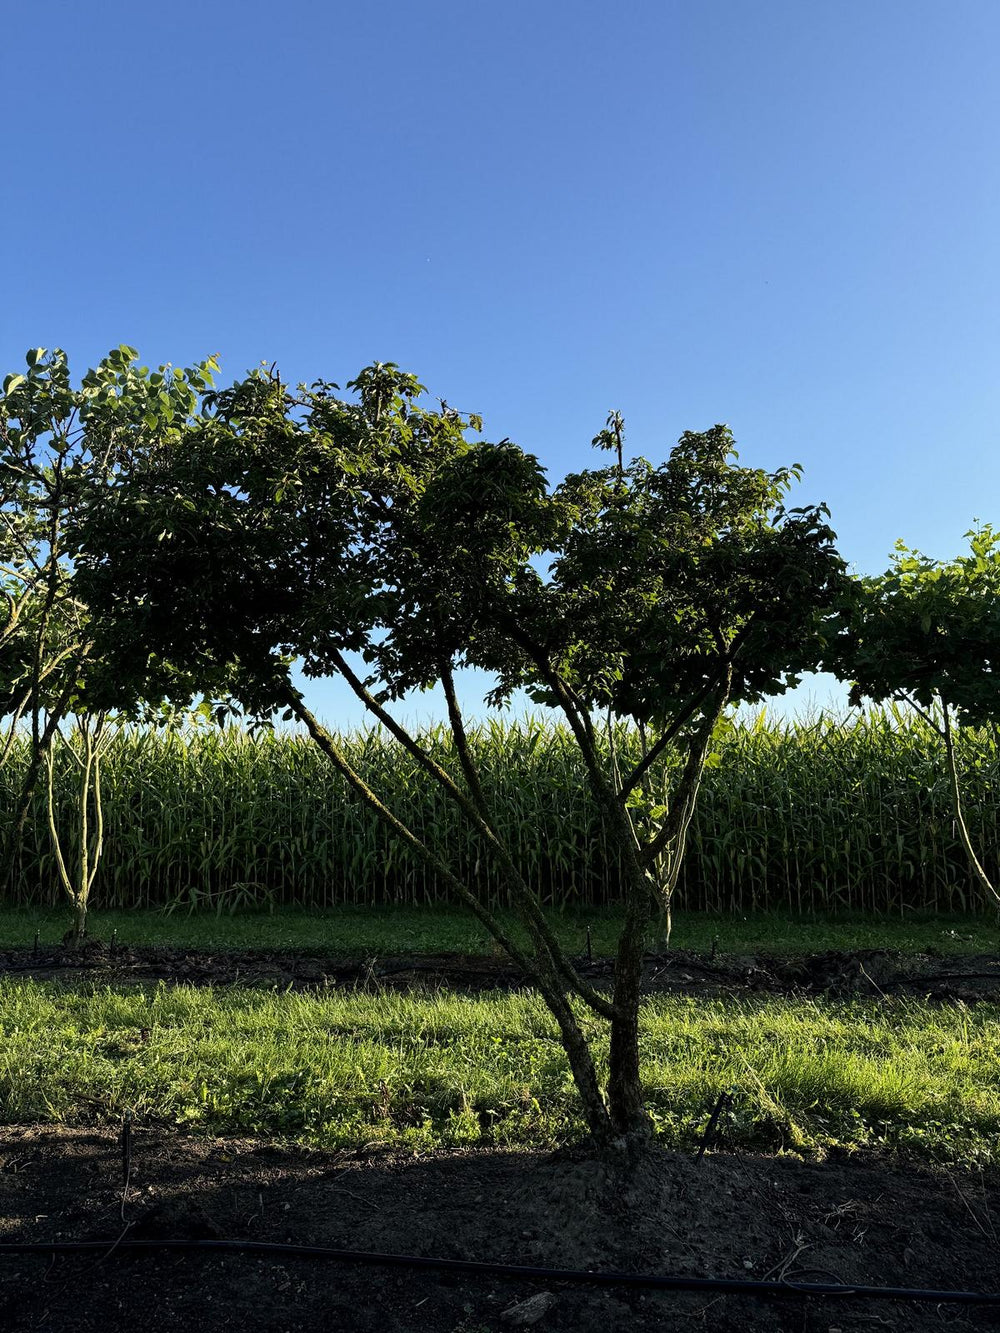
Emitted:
<point x="851" y="1220"/>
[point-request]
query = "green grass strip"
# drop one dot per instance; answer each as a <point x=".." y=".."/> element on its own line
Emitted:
<point x="343" y="1070"/>
<point x="366" y="931"/>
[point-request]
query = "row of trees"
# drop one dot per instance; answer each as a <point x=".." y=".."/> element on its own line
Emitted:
<point x="164" y="542"/>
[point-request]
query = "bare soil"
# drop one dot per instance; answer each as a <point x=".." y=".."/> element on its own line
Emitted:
<point x="850" y="1220"/>
<point x="865" y="972"/>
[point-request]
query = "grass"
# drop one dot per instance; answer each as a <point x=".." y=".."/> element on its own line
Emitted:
<point x="425" y="1071"/>
<point x="355" y="931"/>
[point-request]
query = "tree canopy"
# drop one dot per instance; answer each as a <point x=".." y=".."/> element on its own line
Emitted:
<point x="305" y="525"/>
<point x="928" y="631"/>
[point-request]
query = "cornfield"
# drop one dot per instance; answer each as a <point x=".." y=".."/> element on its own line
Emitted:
<point x="814" y="818"/>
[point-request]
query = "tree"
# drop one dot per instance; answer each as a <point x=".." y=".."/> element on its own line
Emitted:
<point x="60" y="447"/>
<point x="311" y="527"/>
<point x="927" y="633"/>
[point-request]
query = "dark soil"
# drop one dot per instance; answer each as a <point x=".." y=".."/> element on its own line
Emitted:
<point x="848" y="1220"/>
<point x="866" y="972"/>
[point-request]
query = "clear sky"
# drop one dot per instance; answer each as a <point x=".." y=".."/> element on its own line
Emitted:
<point x="778" y="214"/>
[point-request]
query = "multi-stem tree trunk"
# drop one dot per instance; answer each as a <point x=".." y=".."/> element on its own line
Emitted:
<point x="547" y="969"/>
<point x="617" y="1113"/>
<point x="626" y="1099"/>
<point x="651" y="871"/>
<point x="79" y="880"/>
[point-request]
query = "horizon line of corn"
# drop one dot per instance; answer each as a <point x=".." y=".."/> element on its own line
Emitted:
<point x="817" y="817"/>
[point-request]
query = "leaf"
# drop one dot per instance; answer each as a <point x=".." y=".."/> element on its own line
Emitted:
<point x="11" y="383"/>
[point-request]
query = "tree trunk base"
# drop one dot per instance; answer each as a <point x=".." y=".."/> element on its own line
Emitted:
<point x="623" y="1145"/>
<point x="634" y="1143"/>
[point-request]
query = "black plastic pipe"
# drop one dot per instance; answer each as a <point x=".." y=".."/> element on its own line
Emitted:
<point x="649" y="1281"/>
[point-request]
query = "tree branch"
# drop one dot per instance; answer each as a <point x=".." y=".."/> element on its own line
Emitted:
<point x="667" y="737"/>
<point x="979" y="874"/>
<point x="574" y="1042"/>
<point x="541" y="931"/>
<point x="478" y="816"/>
<point x="682" y="806"/>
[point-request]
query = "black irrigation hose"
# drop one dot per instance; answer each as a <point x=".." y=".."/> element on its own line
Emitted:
<point x="730" y="1286"/>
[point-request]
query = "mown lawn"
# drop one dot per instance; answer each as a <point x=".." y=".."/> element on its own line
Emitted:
<point x="436" y="1070"/>
<point x="394" y="930"/>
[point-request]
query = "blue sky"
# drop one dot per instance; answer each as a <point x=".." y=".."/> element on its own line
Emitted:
<point x="776" y="214"/>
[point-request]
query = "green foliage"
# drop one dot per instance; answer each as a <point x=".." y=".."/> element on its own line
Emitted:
<point x="929" y="630"/>
<point x="283" y="526"/>
<point x="668" y="575"/>
<point x="266" y="534"/>
<point x="61" y="451"/>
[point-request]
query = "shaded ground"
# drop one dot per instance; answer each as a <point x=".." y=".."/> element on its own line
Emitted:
<point x="865" y="972"/>
<point x="847" y="1220"/>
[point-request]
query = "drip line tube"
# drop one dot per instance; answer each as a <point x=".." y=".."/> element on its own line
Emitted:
<point x="648" y="1281"/>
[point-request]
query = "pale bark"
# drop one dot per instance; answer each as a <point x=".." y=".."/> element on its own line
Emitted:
<point x="975" y="865"/>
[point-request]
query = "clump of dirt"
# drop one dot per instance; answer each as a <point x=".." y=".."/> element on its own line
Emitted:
<point x="847" y="1220"/>
<point x="872" y="972"/>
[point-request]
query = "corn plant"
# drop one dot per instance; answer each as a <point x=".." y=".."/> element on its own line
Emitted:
<point x="820" y="817"/>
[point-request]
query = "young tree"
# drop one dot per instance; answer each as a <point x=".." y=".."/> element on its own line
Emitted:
<point x="927" y="633"/>
<point x="370" y="538"/>
<point x="60" y="447"/>
<point x="43" y="637"/>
